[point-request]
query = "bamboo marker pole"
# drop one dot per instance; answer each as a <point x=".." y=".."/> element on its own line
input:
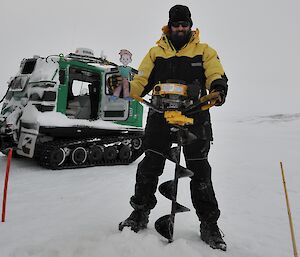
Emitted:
<point x="289" y="212"/>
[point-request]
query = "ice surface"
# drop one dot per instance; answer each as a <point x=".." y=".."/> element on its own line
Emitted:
<point x="76" y="212"/>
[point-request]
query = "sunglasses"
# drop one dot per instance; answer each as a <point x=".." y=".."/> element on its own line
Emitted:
<point x="184" y="24"/>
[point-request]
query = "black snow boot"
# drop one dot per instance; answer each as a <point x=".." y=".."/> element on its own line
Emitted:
<point x="137" y="220"/>
<point x="210" y="234"/>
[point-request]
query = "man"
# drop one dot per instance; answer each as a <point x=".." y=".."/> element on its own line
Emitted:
<point x="179" y="56"/>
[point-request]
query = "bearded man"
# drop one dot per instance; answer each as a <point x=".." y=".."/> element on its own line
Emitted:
<point x="179" y="56"/>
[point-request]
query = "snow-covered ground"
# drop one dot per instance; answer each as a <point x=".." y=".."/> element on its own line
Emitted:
<point x="76" y="212"/>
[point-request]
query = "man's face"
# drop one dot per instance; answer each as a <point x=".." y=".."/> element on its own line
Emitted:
<point x="180" y="28"/>
<point x="180" y="33"/>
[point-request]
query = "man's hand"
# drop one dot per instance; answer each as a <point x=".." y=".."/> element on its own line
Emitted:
<point x="222" y="94"/>
<point x="222" y="98"/>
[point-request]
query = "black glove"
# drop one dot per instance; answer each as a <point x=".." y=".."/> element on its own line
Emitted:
<point x="222" y="97"/>
<point x="221" y="89"/>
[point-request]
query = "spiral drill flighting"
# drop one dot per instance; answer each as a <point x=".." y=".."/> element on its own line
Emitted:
<point x="165" y="224"/>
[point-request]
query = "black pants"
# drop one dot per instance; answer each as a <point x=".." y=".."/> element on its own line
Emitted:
<point x="158" y="139"/>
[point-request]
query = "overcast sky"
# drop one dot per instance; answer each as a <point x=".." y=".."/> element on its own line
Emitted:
<point x="258" y="41"/>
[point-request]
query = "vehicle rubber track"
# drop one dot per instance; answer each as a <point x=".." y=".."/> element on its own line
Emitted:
<point x="79" y="153"/>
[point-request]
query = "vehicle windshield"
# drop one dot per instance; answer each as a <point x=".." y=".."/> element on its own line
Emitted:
<point x="19" y="83"/>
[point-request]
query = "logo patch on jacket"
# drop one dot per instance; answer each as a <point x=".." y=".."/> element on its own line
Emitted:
<point x="196" y="64"/>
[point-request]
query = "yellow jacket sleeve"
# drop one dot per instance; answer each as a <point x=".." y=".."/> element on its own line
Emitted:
<point x="141" y="79"/>
<point x="212" y="66"/>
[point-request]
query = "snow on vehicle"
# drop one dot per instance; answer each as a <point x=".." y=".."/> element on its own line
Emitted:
<point x="58" y="111"/>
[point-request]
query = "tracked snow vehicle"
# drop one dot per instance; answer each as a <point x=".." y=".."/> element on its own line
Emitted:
<point x="58" y="111"/>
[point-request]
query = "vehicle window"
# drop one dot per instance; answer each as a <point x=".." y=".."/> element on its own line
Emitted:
<point x="19" y="83"/>
<point x="80" y="88"/>
<point x="29" y="66"/>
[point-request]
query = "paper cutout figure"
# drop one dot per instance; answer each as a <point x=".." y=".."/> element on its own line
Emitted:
<point x="124" y="70"/>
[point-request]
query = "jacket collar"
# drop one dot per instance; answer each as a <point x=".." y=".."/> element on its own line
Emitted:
<point x="165" y="43"/>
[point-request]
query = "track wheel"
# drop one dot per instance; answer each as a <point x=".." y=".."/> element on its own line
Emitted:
<point x="57" y="157"/>
<point x="95" y="153"/>
<point x="125" y="153"/>
<point x="136" y="143"/>
<point x="79" y="155"/>
<point x="110" y="153"/>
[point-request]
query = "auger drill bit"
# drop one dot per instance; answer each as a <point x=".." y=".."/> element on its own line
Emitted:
<point x="165" y="224"/>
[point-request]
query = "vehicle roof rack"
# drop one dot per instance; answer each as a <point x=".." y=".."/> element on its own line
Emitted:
<point x="90" y="59"/>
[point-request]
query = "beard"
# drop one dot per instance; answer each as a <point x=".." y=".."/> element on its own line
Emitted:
<point x="180" y="38"/>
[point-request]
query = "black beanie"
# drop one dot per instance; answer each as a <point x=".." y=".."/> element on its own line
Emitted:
<point x="180" y="13"/>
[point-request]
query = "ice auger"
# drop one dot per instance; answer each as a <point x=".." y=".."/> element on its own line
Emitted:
<point x="165" y="224"/>
<point x="173" y="101"/>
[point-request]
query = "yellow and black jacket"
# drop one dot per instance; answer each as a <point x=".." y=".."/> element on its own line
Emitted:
<point x="193" y="62"/>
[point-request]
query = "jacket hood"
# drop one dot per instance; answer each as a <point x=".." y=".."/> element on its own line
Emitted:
<point x="164" y="41"/>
